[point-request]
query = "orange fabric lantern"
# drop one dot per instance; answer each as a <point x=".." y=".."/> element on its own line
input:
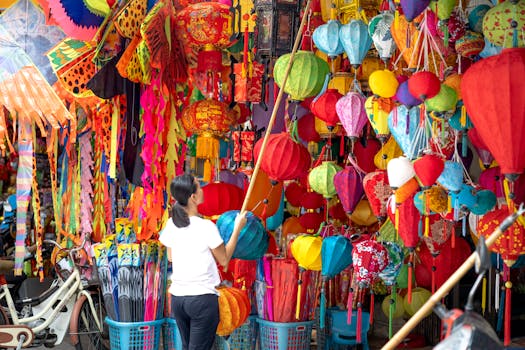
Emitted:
<point x="324" y="107"/>
<point x="266" y="196"/>
<point x="209" y="117"/>
<point x="234" y="308"/>
<point x="292" y="225"/>
<point x="284" y="159"/>
<point x="219" y="198"/>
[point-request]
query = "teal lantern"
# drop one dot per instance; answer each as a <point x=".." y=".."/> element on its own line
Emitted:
<point x="321" y="178"/>
<point x="306" y="78"/>
<point x="356" y="41"/>
<point x="336" y="255"/>
<point x="253" y="239"/>
<point x="452" y="176"/>
<point x="326" y="38"/>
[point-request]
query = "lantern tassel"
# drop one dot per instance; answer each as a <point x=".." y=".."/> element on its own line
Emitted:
<point x="506" y="329"/>
<point x="427" y="225"/>
<point x="484" y="295"/>
<point x="372" y="298"/>
<point x="359" y="323"/>
<point x="298" y="303"/>
<point x="410" y="267"/>
<point x="496" y="291"/>
<point x="396" y="217"/>
<point x="322" y="307"/>
<point x="350" y="306"/>
<point x="499" y="325"/>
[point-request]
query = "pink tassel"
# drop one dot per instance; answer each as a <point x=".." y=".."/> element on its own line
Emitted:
<point x="359" y="323"/>
<point x="349" y="306"/>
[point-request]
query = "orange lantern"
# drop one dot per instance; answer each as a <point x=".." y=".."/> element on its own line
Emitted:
<point x="208" y="117"/>
<point x="292" y="225"/>
<point x="266" y="196"/>
<point x="234" y="308"/>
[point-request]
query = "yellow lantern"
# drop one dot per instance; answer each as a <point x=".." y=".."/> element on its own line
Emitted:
<point x="377" y="111"/>
<point x="323" y="131"/>
<point x="419" y="298"/>
<point x="306" y="250"/>
<point x="363" y="214"/>
<point x="383" y="83"/>
<point x="389" y="151"/>
<point x="398" y="310"/>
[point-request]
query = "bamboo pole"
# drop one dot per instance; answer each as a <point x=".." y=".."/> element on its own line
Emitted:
<point x="276" y="107"/>
<point x="449" y="284"/>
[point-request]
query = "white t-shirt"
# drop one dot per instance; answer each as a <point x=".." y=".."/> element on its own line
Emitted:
<point x="194" y="269"/>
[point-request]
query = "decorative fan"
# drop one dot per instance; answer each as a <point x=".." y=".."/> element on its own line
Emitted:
<point x="130" y="17"/>
<point x="129" y="65"/>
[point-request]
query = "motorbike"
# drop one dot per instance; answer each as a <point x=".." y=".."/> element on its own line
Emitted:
<point x="8" y="224"/>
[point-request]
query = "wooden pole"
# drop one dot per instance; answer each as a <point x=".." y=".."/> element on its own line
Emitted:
<point x="276" y="106"/>
<point x="447" y="286"/>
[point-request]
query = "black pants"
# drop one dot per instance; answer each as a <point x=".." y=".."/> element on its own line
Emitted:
<point x="197" y="318"/>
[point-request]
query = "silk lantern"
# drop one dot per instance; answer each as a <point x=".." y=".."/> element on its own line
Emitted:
<point x="234" y="309"/>
<point x="265" y="197"/>
<point x="451" y="177"/>
<point x="424" y="85"/>
<point x="377" y="190"/>
<point x="306" y="128"/>
<point x="428" y="168"/>
<point x="383" y="83"/>
<point x="311" y="200"/>
<point x="404" y="96"/>
<point x="445" y="100"/>
<point x="413" y="8"/>
<point x="349" y="187"/>
<point x="379" y="30"/>
<point x="326" y="38"/>
<point x="291" y="226"/>
<point x="470" y="44"/>
<point x="306" y="78"/>
<point x="324" y="107"/>
<point x="311" y="221"/>
<point x="253" y="238"/>
<point x="364" y="154"/>
<point x="321" y="178"/>
<point x="293" y="193"/>
<point x="475" y="17"/>
<point x="405" y="125"/>
<point x="443" y="8"/>
<point x="492" y="92"/>
<point x="419" y="298"/>
<point x="363" y="214"/>
<point x="504" y="24"/>
<point x="399" y="170"/>
<point x="220" y="197"/>
<point x="377" y="110"/>
<point x="389" y="151"/>
<point x="350" y="109"/>
<point x="284" y="158"/>
<point x="481" y="149"/>
<point x="406" y="190"/>
<point x="356" y="41"/>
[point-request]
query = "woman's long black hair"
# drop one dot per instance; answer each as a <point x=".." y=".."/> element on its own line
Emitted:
<point x="181" y="188"/>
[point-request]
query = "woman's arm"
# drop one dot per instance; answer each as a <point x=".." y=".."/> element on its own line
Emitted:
<point x="223" y="253"/>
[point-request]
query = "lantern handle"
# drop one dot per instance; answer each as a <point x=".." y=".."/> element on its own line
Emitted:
<point x="276" y="108"/>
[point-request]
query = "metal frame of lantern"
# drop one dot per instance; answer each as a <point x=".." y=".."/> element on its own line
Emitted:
<point x="282" y="17"/>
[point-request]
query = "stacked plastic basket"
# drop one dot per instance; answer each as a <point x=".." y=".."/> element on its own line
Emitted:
<point x="243" y="338"/>
<point x="134" y="335"/>
<point x="285" y="336"/>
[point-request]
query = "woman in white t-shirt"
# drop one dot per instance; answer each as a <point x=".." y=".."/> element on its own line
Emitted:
<point x="194" y="245"/>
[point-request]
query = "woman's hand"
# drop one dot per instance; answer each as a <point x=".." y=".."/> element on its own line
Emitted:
<point x="240" y="220"/>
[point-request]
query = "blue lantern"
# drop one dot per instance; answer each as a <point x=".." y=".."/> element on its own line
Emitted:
<point x="274" y="221"/>
<point x="253" y="239"/>
<point x="356" y="41"/>
<point x="452" y="176"/>
<point x="326" y="38"/>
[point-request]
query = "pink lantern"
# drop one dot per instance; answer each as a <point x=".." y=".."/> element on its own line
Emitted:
<point x="378" y="191"/>
<point x="349" y="186"/>
<point x="351" y="111"/>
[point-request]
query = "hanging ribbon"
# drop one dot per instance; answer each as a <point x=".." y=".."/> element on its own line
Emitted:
<point x="39" y="232"/>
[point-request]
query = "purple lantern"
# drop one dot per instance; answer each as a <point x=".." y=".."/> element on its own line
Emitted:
<point x="349" y="187"/>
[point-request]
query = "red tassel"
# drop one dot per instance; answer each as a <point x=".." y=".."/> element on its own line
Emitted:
<point x="359" y="323"/>
<point x="506" y="327"/>
<point x="372" y="308"/>
<point x="350" y="306"/>
<point x="342" y="146"/>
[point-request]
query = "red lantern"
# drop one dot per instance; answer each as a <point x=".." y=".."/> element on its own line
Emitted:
<point x="494" y="96"/>
<point x="312" y="200"/>
<point x="324" y="107"/>
<point x="209" y="117"/>
<point x="306" y="128"/>
<point x="284" y="159"/>
<point x="424" y="85"/>
<point x="219" y="198"/>
<point x="311" y="221"/>
<point x="428" y="168"/>
<point x="349" y="186"/>
<point x="407" y="222"/>
<point x="338" y="212"/>
<point x="378" y="191"/>
<point x="483" y="153"/>
<point x="364" y="155"/>
<point x="294" y="192"/>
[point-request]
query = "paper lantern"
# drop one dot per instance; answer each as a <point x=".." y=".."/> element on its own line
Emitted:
<point x="293" y="193"/>
<point x="265" y="197"/>
<point x="377" y="189"/>
<point x="428" y="168"/>
<point x="405" y="125"/>
<point x="306" y="128"/>
<point x="405" y="97"/>
<point x="397" y="300"/>
<point x="356" y="41"/>
<point x="364" y="154"/>
<point x="424" y="85"/>
<point x="445" y="100"/>
<point x="253" y="238"/>
<point x="234" y="309"/>
<point x="321" y="178"/>
<point x="377" y="110"/>
<point x="220" y="197"/>
<point x="306" y="77"/>
<point x="351" y="112"/>
<point x="379" y="30"/>
<point x="311" y="221"/>
<point x="451" y="177"/>
<point x="306" y="250"/>
<point x="383" y="83"/>
<point x="311" y="200"/>
<point x="369" y="258"/>
<point x="363" y="214"/>
<point x="326" y="38"/>
<point x="511" y="244"/>
<point x="208" y="117"/>
<point x="419" y="298"/>
<point x="413" y="8"/>
<point x="324" y="107"/>
<point x="399" y="170"/>
<point x="348" y="184"/>
<point x="284" y="159"/>
<point x="492" y="93"/>
<point x="504" y="24"/>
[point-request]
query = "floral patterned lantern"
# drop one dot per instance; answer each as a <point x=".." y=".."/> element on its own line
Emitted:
<point x="379" y="30"/>
<point x="504" y="24"/>
<point x="378" y="191"/>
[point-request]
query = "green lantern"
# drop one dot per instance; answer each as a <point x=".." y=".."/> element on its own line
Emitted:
<point x="504" y="24"/>
<point x="306" y="78"/>
<point x="445" y="100"/>
<point x="321" y="178"/>
<point x="443" y="8"/>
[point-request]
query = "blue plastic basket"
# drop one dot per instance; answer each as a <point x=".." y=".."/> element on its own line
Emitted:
<point x="134" y="335"/>
<point x="243" y="338"/>
<point x="285" y="336"/>
<point x="171" y="335"/>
